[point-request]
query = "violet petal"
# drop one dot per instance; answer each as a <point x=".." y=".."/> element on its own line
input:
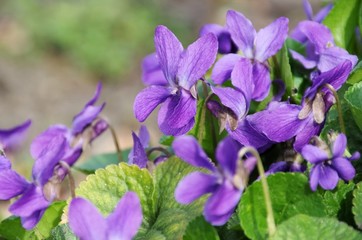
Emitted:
<point x="227" y="154"/>
<point x="11" y="138"/>
<point x="31" y="201"/>
<point x="223" y="68"/>
<point x="189" y="150"/>
<point x="86" y="221"/>
<point x="176" y="113"/>
<point x="328" y="177"/>
<point x="242" y="32"/>
<point x="152" y="73"/>
<point x="148" y="99"/>
<point x="11" y="184"/>
<point x="137" y="155"/>
<point x="307" y="63"/>
<point x="233" y="99"/>
<point x="279" y="122"/>
<point x="344" y="168"/>
<point x="334" y="56"/>
<point x="314" y="177"/>
<point x="242" y="78"/>
<point x="221" y="202"/>
<point x="339" y="145"/>
<point x="125" y="220"/>
<point x="262" y="81"/>
<point x="168" y="49"/>
<point x="314" y="154"/>
<point x="196" y="60"/>
<point x="269" y="40"/>
<point x="194" y="186"/>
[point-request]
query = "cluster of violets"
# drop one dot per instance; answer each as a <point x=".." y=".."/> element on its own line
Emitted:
<point x="235" y="56"/>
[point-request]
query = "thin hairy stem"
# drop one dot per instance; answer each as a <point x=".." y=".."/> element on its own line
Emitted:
<point x="116" y="143"/>
<point x="268" y="203"/>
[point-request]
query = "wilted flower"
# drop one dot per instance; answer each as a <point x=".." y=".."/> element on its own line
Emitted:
<point x="182" y="69"/>
<point x="329" y="166"/>
<point x="226" y="182"/>
<point x="87" y="222"/>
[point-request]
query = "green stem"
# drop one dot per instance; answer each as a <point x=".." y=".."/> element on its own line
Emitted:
<point x="268" y="203"/>
<point x="159" y="149"/>
<point x="116" y="143"/>
<point x="339" y="107"/>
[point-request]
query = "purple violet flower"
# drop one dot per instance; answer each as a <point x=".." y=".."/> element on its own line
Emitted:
<point x="10" y="139"/>
<point x="226" y="44"/>
<point x="257" y="47"/>
<point x="138" y="155"/>
<point x="329" y="166"/>
<point x="182" y="68"/>
<point x="87" y="222"/>
<point x="35" y="196"/>
<point x="321" y="51"/>
<point x="226" y="183"/>
<point x="87" y="126"/>
<point x="282" y="121"/>
<point x="285" y="166"/>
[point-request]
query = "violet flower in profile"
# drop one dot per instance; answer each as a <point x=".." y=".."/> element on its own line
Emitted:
<point x="256" y="46"/>
<point x="329" y="166"/>
<point x="226" y="182"/>
<point x="10" y="139"/>
<point x="87" y="222"/>
<point x="138" y="155"/>
<point x="319" y="17"/>
<point x="321" y="52"/>
<point x="182" y="69"/>
<point x="87" y="125"/>
<point x="226" y="44"/>
<point x="285" y="166"/>
<point x="35" y="196"/>
<point x="282" y="121"/>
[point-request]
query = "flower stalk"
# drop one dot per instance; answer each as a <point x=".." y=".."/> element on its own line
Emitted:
<point x="116" y="143"/>
<point x="268" y="203"/>
<point x="339" y="107"/>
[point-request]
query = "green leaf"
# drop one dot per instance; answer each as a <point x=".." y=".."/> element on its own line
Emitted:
<point x="356" y="74"/>
<point x="332" y="199"/>
<point x="106" y="187"/>
<point x="285" y="71"/>
<point x="101" y="161"/>
<point x="50" y="219"/>
<point x="353" y="96"/>
<point x="200" y="229"/>
<point x="205" y="128"/>
<point x="303" y="227"/>
<point x="166" y="140"/>
<point x="62" y="232"/>
<point x="342" y="21"/>
<point x="290" y="195"/>
<point x="11" y="228"/>
<point x="357" y="205"/>
<point x="167" y="176"/>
